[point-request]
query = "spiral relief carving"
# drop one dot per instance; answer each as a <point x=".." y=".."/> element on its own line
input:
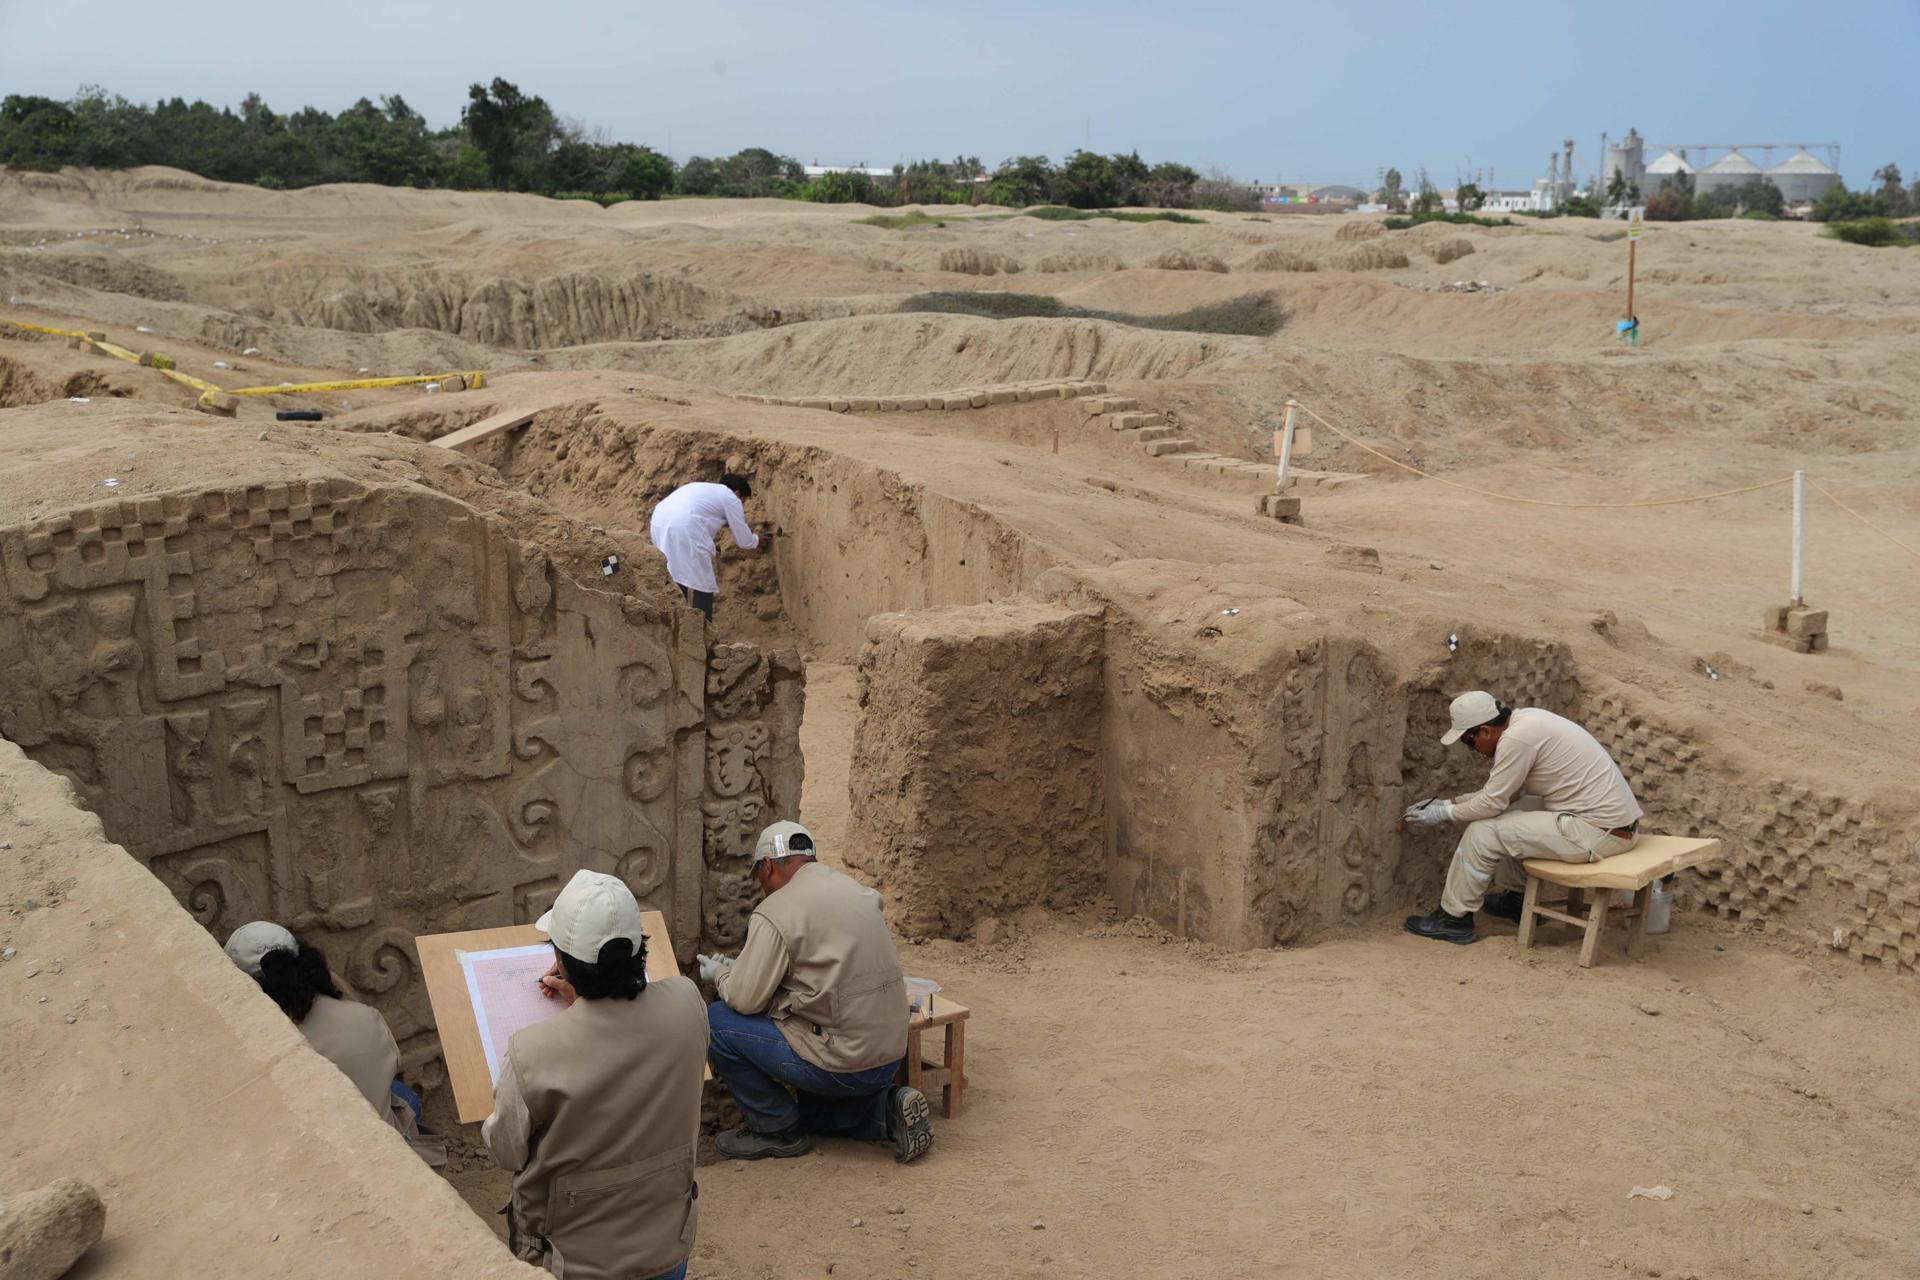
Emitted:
<point x="382" y="960"/>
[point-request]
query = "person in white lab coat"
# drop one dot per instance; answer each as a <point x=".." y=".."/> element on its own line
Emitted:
<point x="686" y="524"/>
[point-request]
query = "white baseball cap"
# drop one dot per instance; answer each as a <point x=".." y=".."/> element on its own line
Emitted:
<point x="781" y="841"/>
<point x="593" y="910"/>
<point x="1470" y="710"/>
<point x="251" y="941"/>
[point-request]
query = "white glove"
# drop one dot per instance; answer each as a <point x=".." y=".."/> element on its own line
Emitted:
<point x="1429" y="813"/>
<point x="710" y="966"/>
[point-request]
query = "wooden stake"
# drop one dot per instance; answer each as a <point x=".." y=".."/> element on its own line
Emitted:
<point x="1632" y="252"/>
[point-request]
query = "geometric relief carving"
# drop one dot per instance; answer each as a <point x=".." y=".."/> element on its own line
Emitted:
<point x="223" y="885"/>
<point x="364" y="713"/>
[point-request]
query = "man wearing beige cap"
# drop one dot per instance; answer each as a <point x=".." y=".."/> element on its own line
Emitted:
<point x="811" y="1024"/>
<point x="1587" y="812"/>
<point x="597" y="1110"/>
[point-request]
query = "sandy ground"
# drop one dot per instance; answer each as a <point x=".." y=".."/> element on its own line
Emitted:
<point x="1371" y="1106"/>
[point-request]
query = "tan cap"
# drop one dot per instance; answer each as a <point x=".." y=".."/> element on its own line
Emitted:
<point x="593" y="910"/>
<point x="251" y="941"/>
<point x="779" y="841"/>
<point x="1470" y="710"/>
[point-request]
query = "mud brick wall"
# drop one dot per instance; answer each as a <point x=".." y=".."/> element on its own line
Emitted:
<point x="369" y="712"/>
<point x="977" y="762"/>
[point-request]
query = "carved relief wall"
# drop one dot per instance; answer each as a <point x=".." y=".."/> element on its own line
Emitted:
<point x="370" y="712"/>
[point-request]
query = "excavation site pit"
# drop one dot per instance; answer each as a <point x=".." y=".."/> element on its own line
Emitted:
<point x="1026" y="649"/>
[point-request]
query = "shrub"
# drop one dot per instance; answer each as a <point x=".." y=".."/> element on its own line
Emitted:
<point x="839" y="188"/>
<point x="1360" y="231"/>
<point x="1457" y="219"/>
<point x="1874" y="232"/>
<point x="1181" y="260"/>
<point x="992" y="306"/>
<point x="1277" y="259"/>
<point x="900" y="221"/>
<point x="1444" y="251"/>
<point x="1253" y="315"/>
<point x="1060" y="213"/>
<point x="1580" y="207"/>
<point x="1373" y="257"/>
<point x="1838" y="204"/>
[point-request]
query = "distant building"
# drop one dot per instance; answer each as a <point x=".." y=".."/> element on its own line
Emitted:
<point x="821" y="170"/>
<point x="1671" y="167"/>
<point x="1729" y="171"/>
<point x="1802" y="179"/>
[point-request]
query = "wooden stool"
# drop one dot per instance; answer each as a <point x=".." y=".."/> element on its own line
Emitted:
<point x="949" y="1074"/>
<point x="1652" y="859"/>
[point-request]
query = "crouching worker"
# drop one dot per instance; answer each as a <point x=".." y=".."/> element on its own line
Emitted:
<point x="1588" y="812"/>
<point x="353" y="1037"/>
<point x="597" y="1111"/>
<point x="811" y="1025"/>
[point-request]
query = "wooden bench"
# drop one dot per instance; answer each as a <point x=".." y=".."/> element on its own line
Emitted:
<point x="948" y="1076"/>
<point x="1652" y="859"/>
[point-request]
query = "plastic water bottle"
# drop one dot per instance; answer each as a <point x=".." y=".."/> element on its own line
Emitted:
<point x="1660" y="908"/>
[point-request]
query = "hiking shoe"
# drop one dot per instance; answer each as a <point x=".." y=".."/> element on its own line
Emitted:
<point x="747" y="1144"/>
<point x="1442" y="926"/>
<point x="1504" y="906"/>
<point x="909" y="1123"/>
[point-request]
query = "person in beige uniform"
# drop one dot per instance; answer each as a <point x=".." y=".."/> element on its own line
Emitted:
<point x="811" y="1025"/>
<point x="1587" y="811"/>
<point x="596" y="1112"/>
<point x="354" y="1037"/>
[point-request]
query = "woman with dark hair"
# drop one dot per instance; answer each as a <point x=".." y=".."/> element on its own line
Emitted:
<point x="596" y="1111"/>
<point x="354" y="1037"/>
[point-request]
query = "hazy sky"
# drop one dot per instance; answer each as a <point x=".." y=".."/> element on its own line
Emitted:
<point x="1329" y="91"/>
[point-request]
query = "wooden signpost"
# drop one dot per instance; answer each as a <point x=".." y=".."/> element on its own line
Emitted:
<point x="1636" y="220"/>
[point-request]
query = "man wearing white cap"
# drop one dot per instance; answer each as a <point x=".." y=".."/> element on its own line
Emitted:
<point x="1587" y="811"/>
<point x="597" y="1111"/>
<point x="811" y="1024"/>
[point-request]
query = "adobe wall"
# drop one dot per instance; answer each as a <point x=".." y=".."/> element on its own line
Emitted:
<point x="368" y="710"/>
<point x="976" y="768"/>
<point x="138" y="1058"/>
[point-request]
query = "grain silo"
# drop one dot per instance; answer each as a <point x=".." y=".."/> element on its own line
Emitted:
<point x="1802" y="179"/>
<point x="1669" y="168"/>
<point x="1627" y="158"/>
<point x="1730" y="171"/>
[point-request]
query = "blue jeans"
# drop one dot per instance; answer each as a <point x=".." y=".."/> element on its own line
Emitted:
<point x="678" y="1273"/>
<point x="409" y="1097"/>
<point x="759" y="1067"/>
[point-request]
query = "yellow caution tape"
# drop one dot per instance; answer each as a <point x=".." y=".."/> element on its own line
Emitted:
<point x="475" y="380"/>
<point x="40" y="328"/>
<point x="164" y="365"/>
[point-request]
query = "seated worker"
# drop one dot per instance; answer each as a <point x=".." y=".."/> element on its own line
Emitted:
<point x="811" y="1025"/>
<point x="353" y="1037"/>
<point x="597" y="1110"/>
<point x="1589" y="811"/>
<point x="685" y="526"/>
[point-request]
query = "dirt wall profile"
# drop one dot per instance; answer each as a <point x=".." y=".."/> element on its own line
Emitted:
<point x="369" y="711"/>
<point x="976" y="771"/>
<point x="138" y="1058"/>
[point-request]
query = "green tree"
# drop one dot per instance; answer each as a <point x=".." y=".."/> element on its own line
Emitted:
<point x="1617" y="188"/>
<point x="840" y="188"/>
<point x="1838" y="204"/>
<point x="1390" y="189"/>
<point x="1890" y="201"/>
<point x="1470" y="197"/>
<point x="1170" y="185"/>
<point x="1130" y="178"/>
<point x="1086" y="181"/>
<point x="513" y="131"/>
<point x="1024" y="181"/>
<point x="647" y="176"/>
<point x="1427" y="199"/>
